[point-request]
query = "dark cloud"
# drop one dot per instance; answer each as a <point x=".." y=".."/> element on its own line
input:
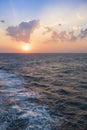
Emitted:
<point x="2" y="21"/>
<point x="83" y="33"/>
<point x="23" y="31"/>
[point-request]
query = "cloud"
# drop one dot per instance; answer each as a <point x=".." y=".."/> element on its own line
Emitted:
<point x="2" y="21"/>
<point x="71" y="36"/>
<point x="23" y="31"/>
<point x="77" y="33"/>
<point x="63" y="36"/>
<point x="76" y="27"/>
<point x="60" y="35"/>
<point x="83" y="33"/>
<point x="47" y="30"/>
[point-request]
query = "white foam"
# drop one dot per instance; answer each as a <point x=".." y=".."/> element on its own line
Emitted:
<point x="14" y="93"/>
<point x="7" y="79"/>
<point x="13" y="89"/>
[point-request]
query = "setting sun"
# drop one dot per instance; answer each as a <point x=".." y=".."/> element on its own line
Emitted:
<point x="26" y="47"/>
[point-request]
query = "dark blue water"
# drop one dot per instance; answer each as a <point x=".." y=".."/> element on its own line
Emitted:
<point x="43" y="91"/>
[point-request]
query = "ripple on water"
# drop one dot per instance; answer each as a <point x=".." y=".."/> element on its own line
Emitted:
<point x="17" y="112"/>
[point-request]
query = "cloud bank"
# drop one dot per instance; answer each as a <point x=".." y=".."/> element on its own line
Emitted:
<point x="65" y="35"/>
<point x="23" y="31"/>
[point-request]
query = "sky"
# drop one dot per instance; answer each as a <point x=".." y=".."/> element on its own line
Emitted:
<point x="43" y="26"/>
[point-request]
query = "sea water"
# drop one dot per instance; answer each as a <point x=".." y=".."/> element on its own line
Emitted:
<point x="43" y="91"/>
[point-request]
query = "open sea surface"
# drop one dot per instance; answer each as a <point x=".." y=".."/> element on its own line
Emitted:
<point x="43" y="91"/>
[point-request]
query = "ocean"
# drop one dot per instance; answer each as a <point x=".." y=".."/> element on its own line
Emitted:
<point x="43" y="91"/>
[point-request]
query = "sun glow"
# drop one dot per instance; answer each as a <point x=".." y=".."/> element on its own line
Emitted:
<point x="26" y="47"/>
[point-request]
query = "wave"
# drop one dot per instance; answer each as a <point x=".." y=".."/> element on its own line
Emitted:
<point x="17" y="111"/>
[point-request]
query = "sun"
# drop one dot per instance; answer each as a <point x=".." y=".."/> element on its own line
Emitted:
<point x="26" y="47"/>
